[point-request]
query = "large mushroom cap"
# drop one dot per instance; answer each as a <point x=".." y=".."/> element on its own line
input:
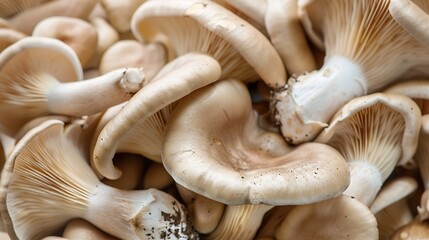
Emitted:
<point x="213" y="146"/>
<point x="25" y="64"/>
<point x="205" y="26"/>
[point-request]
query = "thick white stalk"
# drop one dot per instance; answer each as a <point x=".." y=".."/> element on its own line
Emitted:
<point x="310" y="100"/>
<point x="95" y="95"/>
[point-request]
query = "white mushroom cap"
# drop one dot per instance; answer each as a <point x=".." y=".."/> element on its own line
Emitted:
<point x="205" y="26"/>
<point x="340" y="218"/>
<point x="374" y="133"/>
<point x="213" y="146"/>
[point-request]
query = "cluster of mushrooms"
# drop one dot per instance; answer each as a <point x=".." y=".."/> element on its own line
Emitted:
<point x="214" y="119"/>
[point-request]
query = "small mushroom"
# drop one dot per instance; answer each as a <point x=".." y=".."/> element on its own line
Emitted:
<point x="31" y="87"/>
<point x="208" y="27"/>
<point x="374" y="133"/>
<point x="366" y="49"/>
<point x="80" y="35"/>
<point x="339" y="218"/>
<point x="416" y="230"/>
<point x="214" y="147"/>
<point x="47" y="178"/>
<point x="413" y="16"/>
<point x="175" y="80"/>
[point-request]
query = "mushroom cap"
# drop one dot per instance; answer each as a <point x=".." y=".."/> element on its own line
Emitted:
<point x="8" y="37"/>
<point x="12" y="7"/>
<point x="213" y="146"/>
<point x="27" y="64"/>
<point x="365" y="124"/>
<point x="340" y="218"/>
<point x="416" y="230"/>
<point x="205" y="26"/>
<point x="80" y="35"/>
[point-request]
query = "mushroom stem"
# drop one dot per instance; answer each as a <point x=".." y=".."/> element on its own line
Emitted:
<point x="365" y="182"/>
<point x="412" y="18"/>
<point x="83" y="97"/>
<point x="188" y="73"/>
<point x="316" y="97"/>
<point x="138" y="214"/>
<point x="240" y="222"/>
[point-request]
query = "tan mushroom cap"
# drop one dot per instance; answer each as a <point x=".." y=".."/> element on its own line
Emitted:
<point x="374" y="133"/>
<point x="174" y="81"/>
<point x="394" y="216"/>
<point x="8" y="37"/>
<point x="413" y="16"/>
<point x="80" y="35"/>
<point x="340" y="218"/>
<point x="83" y="230"/>
<point x="12" y="7"/>
<point x="119" y="13"/>
<point x="213" y="146"/>
<point x="416" y="230"/>
<point x="205" y="26"/>
<point x="47" y="177"/>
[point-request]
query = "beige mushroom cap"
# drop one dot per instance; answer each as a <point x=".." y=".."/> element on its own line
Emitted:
<point x="80" y="35"/>
<point x="205" y="26"/>
<point x="339" y="218"/>
<point x="12" y="7"/>
<point x="213" y="146"/>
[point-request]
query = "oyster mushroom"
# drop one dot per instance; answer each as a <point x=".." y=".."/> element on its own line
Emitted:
<point x="119" y="13"/>
<point x="174" y="81"/>
<point x="31" y="87"/>
<point x="214" y="147"/>
<point x="366" y="49"/>
<point x="374" y="133"/>
<point x="83" y="230"/>
<point x="48" y="178"/>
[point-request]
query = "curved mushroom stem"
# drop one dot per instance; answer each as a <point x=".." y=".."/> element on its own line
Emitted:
<point x="96" y="94"/>
<point x="140" y="215"/>
<point x="286" y="33"/>
<point x="240" y="222"/>
<point x="176" y="80"/>
<point x="411" y="18"/>
<point x="308" y="102"/>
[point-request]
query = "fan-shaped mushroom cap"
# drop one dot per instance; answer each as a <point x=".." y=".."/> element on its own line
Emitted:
<point x="12" y="7"/>
<point x="340" y="218"/>
<point x="374" y="133"/>
<point x="48" y="179"/>
<point x="80" y="35"/>
<point x="412" y="17"/>
<point x="36" y="79"/>
<point x="175" y="80"/>
<point x="366" y="49"/>
<point x="205" y="26"/>
<point x="213" y="146"/>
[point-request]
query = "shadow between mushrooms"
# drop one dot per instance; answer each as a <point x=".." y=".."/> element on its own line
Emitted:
<point x="214" y="147"/>
<point x="47" y="182"/>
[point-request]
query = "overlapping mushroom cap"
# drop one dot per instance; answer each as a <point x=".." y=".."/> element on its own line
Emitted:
<point x="205" y="26"/>
<point x="214" y="147"/>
